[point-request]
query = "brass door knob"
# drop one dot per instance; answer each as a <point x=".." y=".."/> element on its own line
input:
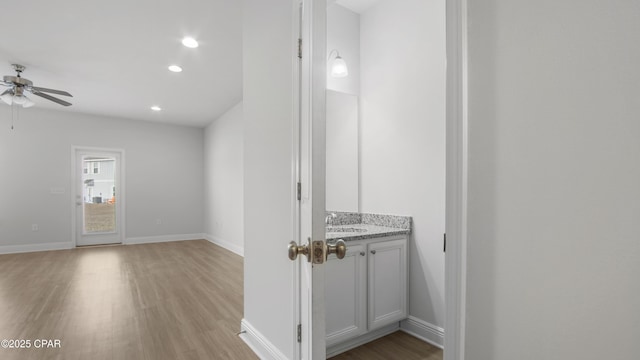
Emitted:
<point x="340" y="249"/>
<point x="295" y="249"/>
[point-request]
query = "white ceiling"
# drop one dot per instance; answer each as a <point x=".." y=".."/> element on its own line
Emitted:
<point x="357" y="6"/>
<point x="113" y="55"/>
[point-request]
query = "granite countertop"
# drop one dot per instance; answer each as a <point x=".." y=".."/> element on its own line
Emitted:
<point x="358" y="226"/>
<point x="371" y="231"/>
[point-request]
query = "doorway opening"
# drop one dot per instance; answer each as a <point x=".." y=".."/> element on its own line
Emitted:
<point x="405" y="124"/>
<point x="386" y="161"/>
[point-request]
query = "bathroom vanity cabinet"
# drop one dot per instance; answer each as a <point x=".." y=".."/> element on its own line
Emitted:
<point x="367" y="289"/>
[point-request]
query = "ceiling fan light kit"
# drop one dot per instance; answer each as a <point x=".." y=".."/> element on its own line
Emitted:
<point x="10" y="98"/>
<point x="17" y="86"/>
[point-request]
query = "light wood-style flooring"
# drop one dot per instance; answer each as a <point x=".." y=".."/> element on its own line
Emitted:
<point x="175" y="300"/>
<point x="398" y="345"/>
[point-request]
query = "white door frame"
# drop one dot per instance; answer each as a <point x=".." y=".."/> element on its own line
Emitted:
<point x="457" y="164"/>
<point x="75" y="186"/>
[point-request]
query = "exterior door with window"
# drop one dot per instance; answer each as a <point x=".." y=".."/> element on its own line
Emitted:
<point x="98" y="197"/>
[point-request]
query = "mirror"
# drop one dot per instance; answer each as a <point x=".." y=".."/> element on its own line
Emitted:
<point x="342" y="152"/>
<point x="343" y="39"/>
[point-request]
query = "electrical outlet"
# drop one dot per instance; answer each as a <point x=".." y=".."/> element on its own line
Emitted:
<point x="158" y="222"/>
<point x="34" y="227"/>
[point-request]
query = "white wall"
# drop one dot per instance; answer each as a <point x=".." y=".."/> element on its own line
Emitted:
<point x="268" y="116"/>
<point x="164" y="176"/>
<point x="223" y="180"/>
<point x="403" y="135"/>
<point x="343" y="34"/>
<point x="554" y="180"/>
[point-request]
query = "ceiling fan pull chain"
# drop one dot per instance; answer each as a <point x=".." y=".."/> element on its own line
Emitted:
<point x="14" y="113"/>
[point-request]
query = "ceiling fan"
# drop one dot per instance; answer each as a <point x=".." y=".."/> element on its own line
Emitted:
<point x="17" y="86"/>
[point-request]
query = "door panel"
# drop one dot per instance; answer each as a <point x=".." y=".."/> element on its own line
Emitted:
<point x="346" y="296"/>
<point x="387" y="270"/>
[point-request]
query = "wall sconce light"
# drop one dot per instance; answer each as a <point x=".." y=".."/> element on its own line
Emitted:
<point x="338" y="67"/>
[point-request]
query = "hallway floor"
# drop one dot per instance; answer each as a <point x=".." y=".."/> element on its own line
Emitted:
<point x="176" y="300"/>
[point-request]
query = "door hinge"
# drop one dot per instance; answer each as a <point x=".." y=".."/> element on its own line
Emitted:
<point x="299" y="191"/>
<point x="299" y="48"/>
<point x="444" y="248"/>
<point x="299" y="333"/>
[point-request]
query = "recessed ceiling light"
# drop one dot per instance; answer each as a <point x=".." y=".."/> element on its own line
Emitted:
<point x="175" y="68"/>
<point x="156" y="108"/>
<point x="190" y="42"/>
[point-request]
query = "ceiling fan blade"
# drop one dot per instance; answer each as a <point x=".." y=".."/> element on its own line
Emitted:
<point x="49" y="97"/>
<point x="53" y="91"/>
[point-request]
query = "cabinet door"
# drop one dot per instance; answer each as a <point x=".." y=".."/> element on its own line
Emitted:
<point x="387" y="267"/>
<point x="345" y="295"/>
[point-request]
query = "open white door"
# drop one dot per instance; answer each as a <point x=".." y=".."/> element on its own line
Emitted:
<point x="311" y="249"/>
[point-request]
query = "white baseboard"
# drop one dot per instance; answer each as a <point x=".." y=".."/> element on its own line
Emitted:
<point x="162" y="238"/>
<point x="262" y="347"/>
<point x="423" y="330"/>
<point x="362" y="339"/>
<point x="12" y="249"/>
<point x="225" y="244"/>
